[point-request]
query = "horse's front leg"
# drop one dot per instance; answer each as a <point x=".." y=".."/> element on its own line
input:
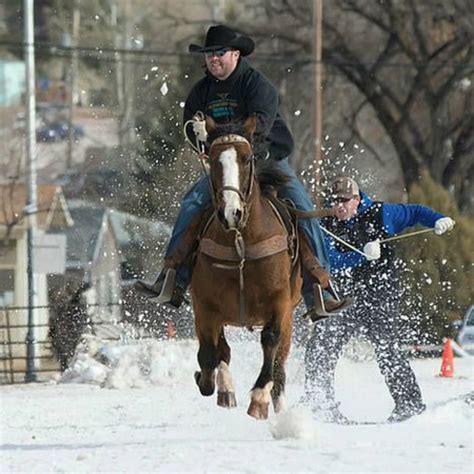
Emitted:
<point x="207" y="358"/>
<point x="225" y="385"/>
<point x="261" y="392"/>
<point x="279" y="375"/>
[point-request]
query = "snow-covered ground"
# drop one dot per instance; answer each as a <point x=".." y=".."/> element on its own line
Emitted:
<point x="144" y="413"/>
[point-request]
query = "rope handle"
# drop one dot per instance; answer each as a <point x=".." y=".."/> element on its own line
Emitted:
<point x="410" y="234"/>
<point x="334" y="236"/>
<point x="395" y="237"/>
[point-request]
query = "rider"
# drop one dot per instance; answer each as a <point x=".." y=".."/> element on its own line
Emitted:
<point x="372" y="277"/>
<point x="232" y="90"/>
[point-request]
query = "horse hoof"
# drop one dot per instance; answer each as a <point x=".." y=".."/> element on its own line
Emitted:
<point x="258" y="411"/>
<point x="205" y="387"/>
<point x="226" y="399"/>
<point x="197" y="376"/>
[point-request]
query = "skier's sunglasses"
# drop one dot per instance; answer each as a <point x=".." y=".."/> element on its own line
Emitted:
<point x="219" y="53"/>
<point x="339" y="200"/>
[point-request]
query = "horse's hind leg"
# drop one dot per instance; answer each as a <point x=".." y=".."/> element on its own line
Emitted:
<point x="225" y="385"/>
<point x="260" y="398"/>
<point x="279" y="375"/>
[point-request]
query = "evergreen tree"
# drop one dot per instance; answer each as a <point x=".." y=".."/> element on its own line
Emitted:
<point x="439" y="268"/>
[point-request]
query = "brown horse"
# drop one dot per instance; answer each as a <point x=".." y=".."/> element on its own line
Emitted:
<point x="243" y="274"/>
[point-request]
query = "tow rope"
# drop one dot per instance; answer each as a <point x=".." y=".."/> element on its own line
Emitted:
<point x="389" y="239"/>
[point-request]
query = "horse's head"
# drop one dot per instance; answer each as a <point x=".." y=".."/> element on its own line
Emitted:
<point x="232" y="166"/>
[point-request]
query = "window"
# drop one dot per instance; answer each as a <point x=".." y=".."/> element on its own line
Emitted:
<point x="7" y="287"/>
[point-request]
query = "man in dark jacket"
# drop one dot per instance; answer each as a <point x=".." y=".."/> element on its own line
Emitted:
<point x="371" y="277"/>
<point x="233" y="90"/>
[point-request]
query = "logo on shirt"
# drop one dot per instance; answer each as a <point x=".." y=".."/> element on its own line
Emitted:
<point x="222" y="108"/>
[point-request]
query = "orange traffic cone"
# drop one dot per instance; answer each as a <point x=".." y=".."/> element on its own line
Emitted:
<point x="170" y="330"/>
<point x="447" y="364"/>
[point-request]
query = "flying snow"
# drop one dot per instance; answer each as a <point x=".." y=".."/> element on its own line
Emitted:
<point x="296" y="423"/>
<point x="164" y="88"/>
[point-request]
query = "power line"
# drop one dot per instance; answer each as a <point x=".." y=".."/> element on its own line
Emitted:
<point x="55" y="50"/>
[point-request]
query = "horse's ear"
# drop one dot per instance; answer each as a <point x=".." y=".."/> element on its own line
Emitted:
<point x="250" y="125"/>
<point x="210" y="124"/>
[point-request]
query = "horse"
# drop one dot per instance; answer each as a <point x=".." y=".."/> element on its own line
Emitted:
<point x="244" y="274"/>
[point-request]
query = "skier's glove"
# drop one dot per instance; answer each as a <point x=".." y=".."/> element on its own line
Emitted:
<point x="372" y="250"/>
<point x="443" y="225"/>
<point x="199" y="129"/>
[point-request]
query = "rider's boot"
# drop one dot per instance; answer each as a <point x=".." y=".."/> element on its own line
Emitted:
<point x="326" y="303"/>
<point x="326" y="299"/>
<point x="165" y="290"/>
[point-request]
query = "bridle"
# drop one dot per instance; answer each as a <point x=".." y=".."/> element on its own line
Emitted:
<point x="245" y="196"/>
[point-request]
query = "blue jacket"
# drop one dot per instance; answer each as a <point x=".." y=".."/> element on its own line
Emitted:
<point x="396" y="218"/>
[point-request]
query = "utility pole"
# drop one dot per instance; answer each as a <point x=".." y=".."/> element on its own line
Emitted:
<point x="31" y="201"/>
<point x="76" y="18"/>
<point x="118" y="59"/>
<point x="317" y="49"/>
<point x="127" y="122"/>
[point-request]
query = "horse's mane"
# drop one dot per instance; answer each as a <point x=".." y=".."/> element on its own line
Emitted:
<point x="269" y="176"/>
<point x="231" y="128"/>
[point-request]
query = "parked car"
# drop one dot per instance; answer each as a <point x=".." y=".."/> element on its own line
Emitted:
<point x="466" y="332"/>
<point x="58" y="131"/>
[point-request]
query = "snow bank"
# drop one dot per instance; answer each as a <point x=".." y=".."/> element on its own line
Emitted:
<point x="133" y="365"/>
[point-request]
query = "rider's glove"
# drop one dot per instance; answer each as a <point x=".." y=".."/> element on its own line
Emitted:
<point x="199" y="129"/>
<point x="372" y="250"/>
<point x="443" y="225"/>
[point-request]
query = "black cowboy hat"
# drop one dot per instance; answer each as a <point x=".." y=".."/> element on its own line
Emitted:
<point x="221" y="36"/>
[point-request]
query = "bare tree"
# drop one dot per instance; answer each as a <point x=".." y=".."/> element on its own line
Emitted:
<point x="413" y="63"/>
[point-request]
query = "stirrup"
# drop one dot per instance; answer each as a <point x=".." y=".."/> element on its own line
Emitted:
<point x="167" y="288"/>
<point x="332" y="290"/>
<point x="319" y="305"/>
<point x="161" y="290"/>
<point x="320" y="310"/>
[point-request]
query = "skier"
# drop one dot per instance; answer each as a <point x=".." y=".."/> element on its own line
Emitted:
<point x="372" y="279"/>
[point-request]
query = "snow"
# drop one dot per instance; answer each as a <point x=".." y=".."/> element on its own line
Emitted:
<point x="135" y="408"/>
<point x="164" y="88"/>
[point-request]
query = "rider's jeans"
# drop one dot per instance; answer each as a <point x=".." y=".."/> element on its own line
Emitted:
<point x="199" y="197"/>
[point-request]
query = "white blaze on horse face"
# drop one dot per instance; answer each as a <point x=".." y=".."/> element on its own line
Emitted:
<point x="230" y="177"/>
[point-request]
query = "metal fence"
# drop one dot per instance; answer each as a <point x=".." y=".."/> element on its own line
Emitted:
<point x="14" y="357"/>
<point x="55" y="338"/>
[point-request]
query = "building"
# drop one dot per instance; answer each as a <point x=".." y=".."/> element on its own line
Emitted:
<point x="12" y="82"/>
<point x="14" y="276"/>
